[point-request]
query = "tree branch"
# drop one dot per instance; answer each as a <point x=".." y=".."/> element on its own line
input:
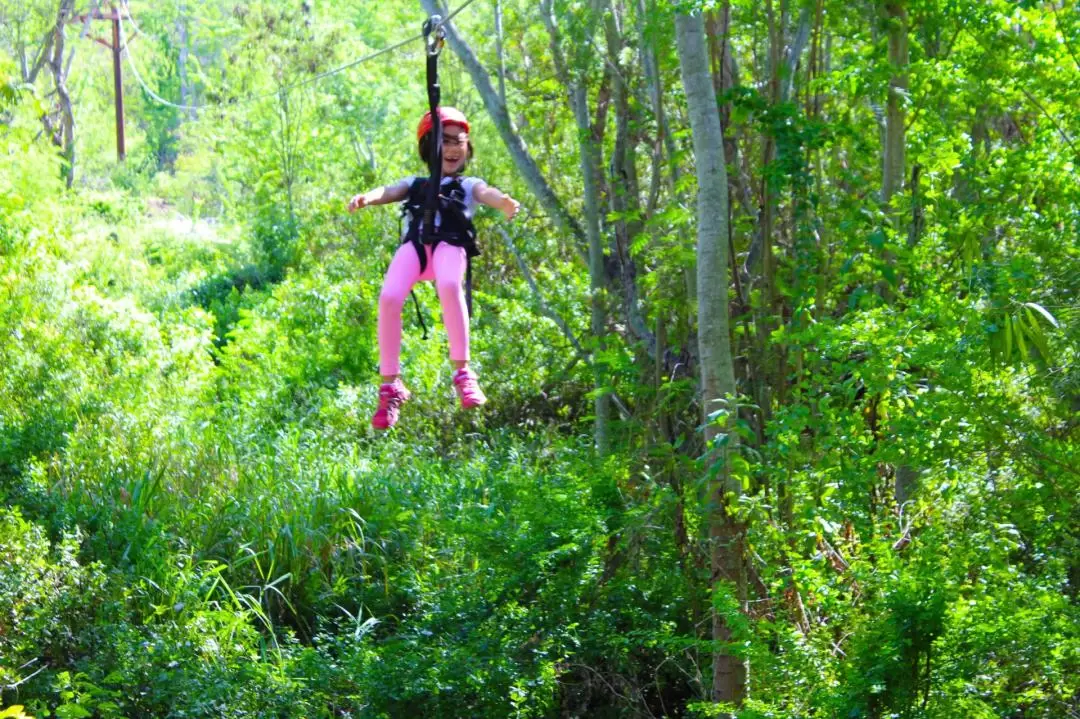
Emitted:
<point x="544" y="308"/>
<point x="1049" y="117"/>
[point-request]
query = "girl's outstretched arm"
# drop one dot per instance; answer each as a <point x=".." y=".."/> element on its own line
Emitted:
<point x="494" y="197"/>
<point x="379" y="196"/>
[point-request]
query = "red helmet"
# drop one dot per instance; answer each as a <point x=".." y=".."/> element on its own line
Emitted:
<point x="447" y="115"/>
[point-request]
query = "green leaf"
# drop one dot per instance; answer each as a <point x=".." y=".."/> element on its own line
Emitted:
<point x="14" y="712"/>
<point x="1042" y="310"/>
<point x="1008" y="338"/>
<point x="1036" y="334"/>
<point x="1020" y="342"/>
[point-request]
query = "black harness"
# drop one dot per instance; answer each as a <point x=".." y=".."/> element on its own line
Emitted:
<point x="428" y="195"/>
<point x="454" y="226"/>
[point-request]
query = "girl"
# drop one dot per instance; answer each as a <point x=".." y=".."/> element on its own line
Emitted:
<point x="443" y="262"/>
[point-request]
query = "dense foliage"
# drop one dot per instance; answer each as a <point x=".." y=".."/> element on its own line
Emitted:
<point x="198" y="521"/>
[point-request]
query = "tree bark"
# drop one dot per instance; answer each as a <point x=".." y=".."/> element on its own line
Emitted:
<point x="725" y="77"/>
<point x="590" y="170"/>
<point x="42" y="56"/>
<point x="906" y="477"/>
<point x="64" y="136"/>
<point x="499" y="50"/>
<point x="664" y="137"/>
<point x="623" y="192"/>
<point x="893" y="172"/>
<point x="717" y="370"/>
<point x="794" y="53"/>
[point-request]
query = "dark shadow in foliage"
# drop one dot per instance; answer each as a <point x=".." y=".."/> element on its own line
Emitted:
<point x="222" y="295"/>
<point x="892" y="664"/>
<point x="275" y="240"/>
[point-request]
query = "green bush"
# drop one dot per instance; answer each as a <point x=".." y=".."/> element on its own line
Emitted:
<point x="52" y="607"/>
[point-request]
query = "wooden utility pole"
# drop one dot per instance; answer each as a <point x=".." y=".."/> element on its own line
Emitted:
<point x="118" y="87"/>
<point x="118" y="76"/>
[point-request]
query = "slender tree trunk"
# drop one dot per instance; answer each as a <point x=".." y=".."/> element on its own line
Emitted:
<point x="20" y="51"/>
<point x="650" y="62"/>
<point x="590" y="163"/>
<point x="762" y="245"/>
<point x="664" y="137"/>
<point x="42" y="56"/>
<point x="725" y="77"/>
<point x="64" y="136"/>
<point x="499" y="50"/>
<point x="794" y="53"/>
<point x="893" y="175"/>
<point x="714" y="344"/>
<point x="892" y="181"/>
<point x="689" y="561"/>
<point x="623" y="192"/>
<point x="285" y="150"/>
<point x="589" y="152"/>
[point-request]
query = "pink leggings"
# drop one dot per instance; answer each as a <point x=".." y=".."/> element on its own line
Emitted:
<point x="447" y="268"/>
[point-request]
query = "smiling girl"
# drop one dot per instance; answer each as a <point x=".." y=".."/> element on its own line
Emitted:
<point x="444" y="261"/>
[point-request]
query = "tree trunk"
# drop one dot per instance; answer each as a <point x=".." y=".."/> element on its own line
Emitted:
<point x="29" y="74"/>
<point x="714" y="343"/>
<point x="64" y="136"/>
<point x="794" y="53"/>
<point x="725" y="77"/>
<point x="892" y="181"/>
<point x="664" y="137"/>
<point x="623" y="194"/>
<point x="499" y="51"/>
<point x="590" y="163"/>
<point x="589" y="152"/>
<point x="893" y="172"/>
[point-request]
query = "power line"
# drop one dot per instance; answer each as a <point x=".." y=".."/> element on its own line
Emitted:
<point x="233" y="103"/>
<point x="138" y="75"/>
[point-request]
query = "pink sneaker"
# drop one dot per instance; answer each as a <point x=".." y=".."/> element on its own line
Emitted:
<point x="391" y="397"/>
<point x="467" y="389"/>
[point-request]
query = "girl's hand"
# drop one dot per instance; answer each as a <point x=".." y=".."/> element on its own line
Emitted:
<point x="509" y="207"/>
<point x="358" y="202"/>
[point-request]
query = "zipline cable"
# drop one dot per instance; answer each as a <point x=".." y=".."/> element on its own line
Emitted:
<point x="243" y="101"/>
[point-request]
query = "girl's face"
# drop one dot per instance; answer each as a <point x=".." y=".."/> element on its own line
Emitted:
<point x="455" y="148"/>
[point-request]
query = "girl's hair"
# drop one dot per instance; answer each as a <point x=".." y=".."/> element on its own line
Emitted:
<point x="426" y="146"/>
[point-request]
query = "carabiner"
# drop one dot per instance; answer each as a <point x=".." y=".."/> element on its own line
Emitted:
<point x="434" y="34"/>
